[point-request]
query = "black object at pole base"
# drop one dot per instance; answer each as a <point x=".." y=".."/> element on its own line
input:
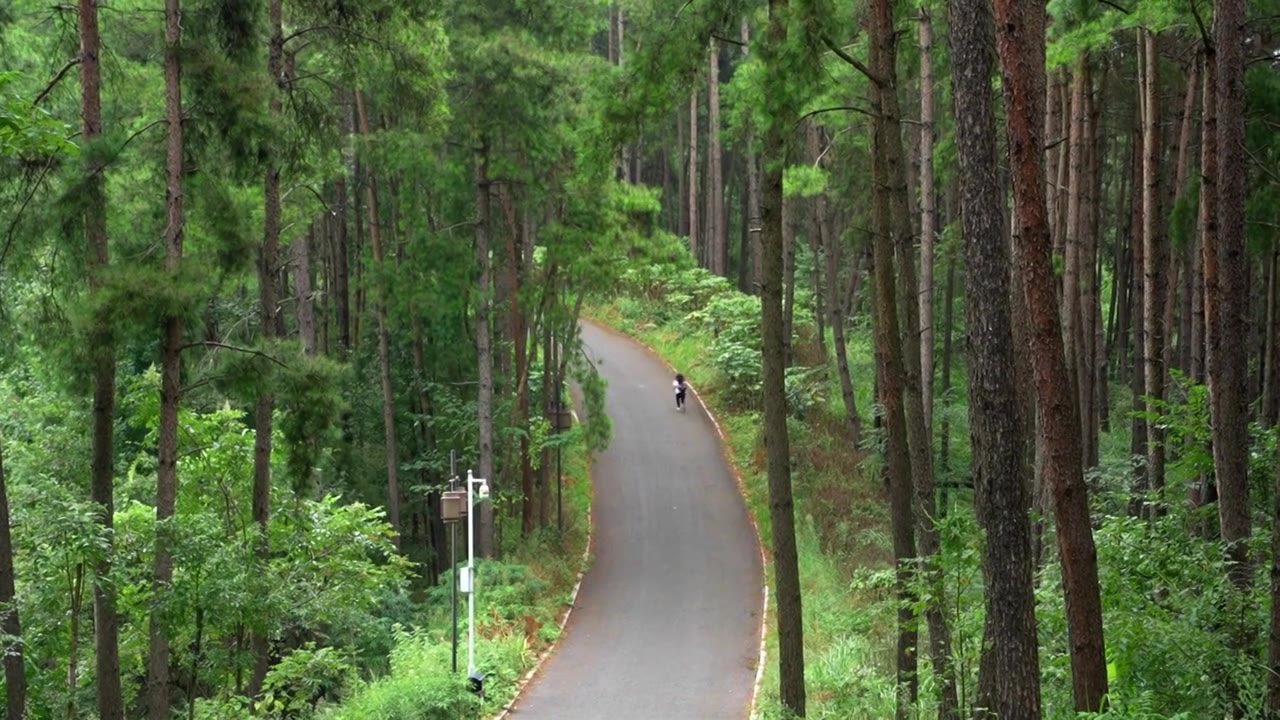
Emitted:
<point x="475" y="684"/>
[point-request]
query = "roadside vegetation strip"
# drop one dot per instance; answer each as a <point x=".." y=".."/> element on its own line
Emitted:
<point x="523" y="605"/>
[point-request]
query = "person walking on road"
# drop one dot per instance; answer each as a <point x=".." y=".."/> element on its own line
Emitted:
<point x="680" y="387"/>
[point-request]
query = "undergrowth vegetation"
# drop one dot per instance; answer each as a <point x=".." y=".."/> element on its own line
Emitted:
<point x="519" y="603"/>
<point x="1169" y="614"/>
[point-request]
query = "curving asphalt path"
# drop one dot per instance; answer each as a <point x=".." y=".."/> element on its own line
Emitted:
<point x="667" y="621"/>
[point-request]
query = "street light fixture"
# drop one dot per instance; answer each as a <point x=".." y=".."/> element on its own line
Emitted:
<point x="475" y="487"/>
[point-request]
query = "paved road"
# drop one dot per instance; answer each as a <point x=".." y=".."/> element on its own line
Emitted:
<point x="667" y="621"/>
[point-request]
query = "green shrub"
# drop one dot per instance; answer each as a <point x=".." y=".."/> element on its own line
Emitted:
<point x="422" y="687"/>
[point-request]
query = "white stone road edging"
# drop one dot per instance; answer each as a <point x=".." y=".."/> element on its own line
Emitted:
<point x="573" y="599"/>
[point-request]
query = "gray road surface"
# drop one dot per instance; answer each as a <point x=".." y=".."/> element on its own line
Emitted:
<point x="667" y="621"/>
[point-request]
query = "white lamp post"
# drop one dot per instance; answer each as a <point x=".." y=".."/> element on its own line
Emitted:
<point x="475" y="486"/>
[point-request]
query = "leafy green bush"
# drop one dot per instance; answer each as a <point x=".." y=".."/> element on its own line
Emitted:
<point x="302" y="681"/>
<point x="1169" y="611"/>
<point x="733" y="322"/>
<point x="421" y="685"/>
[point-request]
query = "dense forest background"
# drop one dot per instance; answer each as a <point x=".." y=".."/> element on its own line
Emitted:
<point x="988" y="293"/>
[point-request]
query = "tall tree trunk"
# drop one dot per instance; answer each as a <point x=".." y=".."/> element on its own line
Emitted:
<point x="302" y="288"/>
<point x="102" y="352"/>
<point x="1008" y="673"/>
<point x="1055" y="136"/>
<point x="837" y="320"/>
<point x="897" y="454"/>
<point x="513" y="269"/>
<point x="1273" y="648"/>
<point x="268" y="266"/>
<point x="170" y="373"/>
<point x="1188" y="280"/>
<point x="1138" y="379"/>
<point x="15" y="670"/>
<point x="1154" y="261"/>
<point x="918" y="435"/>
<point x="928" y="213"/>
<point x="342" y="268"/>
<point x="817" y="207"/>
<point x="781" y="506"/>
<point x="745" y="254"/>
<point x="611" y="52"/>
<point x="788" y="280"/>
<point x="717" y="240"/>
<point x="1204" y="303"/>
<point x="1063" y="165"/>
<point x="1271" y="350"/>
<point x="484" y="402"/>
<point x="384" y="342"/>
<point x="628" y="173"/>
<point x="1081" y="84"/>
<point x="1020" y="27"/>
<point x="76" y="588"/>
<point x="548" y="395"/>
<point x="753" y="187"/>
<point x="682" y="173"/>
<point x="695" y="238"/>
<point x="1228" y="360"/>
<point x="1088" y="278"/>
<point x="948" y="315"/>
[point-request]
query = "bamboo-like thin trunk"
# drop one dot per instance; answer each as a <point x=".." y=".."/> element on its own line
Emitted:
<point x="928" y="213"/>
<point x="717" y="238"/>
<point x="305" y="296"/>
<point x="485" y="543"/>
<point x="1154" y="260"/>
<point x="817" y="207"/>
<point x="695" y="232"/>
<point x="789" y="280"/>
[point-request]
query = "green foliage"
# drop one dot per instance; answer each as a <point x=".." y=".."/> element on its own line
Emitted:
<point x="1168" y="638"/>
<point x="298" y="684"/>
<point x="733" y="320"/>
<point x="804" y="181"/>
<point x="420" y="686"/>
<point x="27" y="130"/>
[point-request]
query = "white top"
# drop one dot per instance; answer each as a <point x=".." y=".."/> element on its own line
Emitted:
<point x="678" y="386"/>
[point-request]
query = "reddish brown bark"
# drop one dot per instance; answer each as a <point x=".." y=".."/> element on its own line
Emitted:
<point x="102" y="352"/>
<point x="1020" y="27"/>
